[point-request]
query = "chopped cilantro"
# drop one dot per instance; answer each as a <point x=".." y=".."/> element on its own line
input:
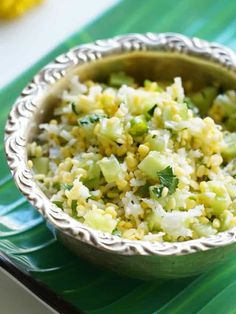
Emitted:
<point x="116" y="232"/>
<point x="67" y="186"/>
<point x="143" y="191"/>
<point x="73" y="107"/>
<point x="151" y="111"/>
<point x="168" y="179"/>
<point x="157" y="190"/>
<point x="91" y="118"/>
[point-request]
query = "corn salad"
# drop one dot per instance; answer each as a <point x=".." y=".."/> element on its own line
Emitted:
<point x="141" y="162"/>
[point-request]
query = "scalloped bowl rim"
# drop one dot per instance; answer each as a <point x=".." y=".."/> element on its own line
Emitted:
<point x="26" y="105"/>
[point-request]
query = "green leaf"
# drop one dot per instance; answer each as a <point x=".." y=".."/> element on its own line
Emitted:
<point x="151" y="111"/>
<point x="116" y="232"/>
<point x="157" y="190"/>
<point x="66" y="186"/>
<point x="168" y="179"/>
<point x="73" y="107"/>
<point x="91" y="118"/>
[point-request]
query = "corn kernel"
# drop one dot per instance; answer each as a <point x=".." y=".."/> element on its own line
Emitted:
<point x="216" y="223"/>
<point x="143" y="150"/>
<point x="121" y="184"/>
<point x="203" y="220"/>
<point x="201" y="171"/>
<point x="131" y="161"/>
<point x="165" y="191"/>
<point x="30" y="164"/>
<point x="111" y="210"/>
<point x="203" y="186"/>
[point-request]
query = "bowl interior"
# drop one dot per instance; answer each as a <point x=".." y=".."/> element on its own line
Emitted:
<point x="160" y="66"/>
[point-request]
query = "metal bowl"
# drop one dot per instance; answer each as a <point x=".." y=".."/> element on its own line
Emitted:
<point x="144" y="56"/>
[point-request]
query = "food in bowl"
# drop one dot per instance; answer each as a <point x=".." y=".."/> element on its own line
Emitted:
<point x="144" y="162"/>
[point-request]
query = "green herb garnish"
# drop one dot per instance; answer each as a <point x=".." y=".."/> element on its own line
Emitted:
<point x="116" y="232"/>
<point x="151" y="111"/>
<point x="73" y="107"/>
<point x="157" y="190"/>
<point x="143" y="191"/>
<point x="66" y="186"/>
<point x="168" y="179"/>
<point x="91" y="119"/>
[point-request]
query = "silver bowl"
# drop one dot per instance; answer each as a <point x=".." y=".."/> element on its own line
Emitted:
<point x="153" y="56"/>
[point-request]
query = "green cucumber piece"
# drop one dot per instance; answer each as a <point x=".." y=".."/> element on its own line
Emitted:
<point x="182" y="111"/>
<point x="153" y="163"/>
<point x="41" y="165"/>
<point x="111" y="168"/>
<point x="229" y="148"/>
<point x="138" y="126"/>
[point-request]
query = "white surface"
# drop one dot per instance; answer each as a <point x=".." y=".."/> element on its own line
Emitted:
<point x="16" y="299"/>
<point x="25" y="40"/>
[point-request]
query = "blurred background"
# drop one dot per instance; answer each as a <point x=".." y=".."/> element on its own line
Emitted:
<point x="31" y="28"/>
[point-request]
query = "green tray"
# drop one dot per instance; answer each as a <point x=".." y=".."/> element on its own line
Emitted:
<point x="25" y="238"/>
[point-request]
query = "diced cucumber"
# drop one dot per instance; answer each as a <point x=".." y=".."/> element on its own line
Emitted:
<point x="96" y="220"/>
<point x="220" y="203"/>
<point x="41" y="165"/>
<point x="111" y="169"/>
<point x="204" y="98"/>
<point x="180" y="108"/>
<point x="93" y="171"/>
<point x="226" y="221"/>
<point x="203" y="230"/>
<point x="153" y="163"/>
<point x="90" y="165"/>
<point x="111" y="128"/>
<point x="154" y="221"/>
<point x="92" y="183"/>
<point x="138" y="126"/>
<point x="156" y="142"/>
<point x="215" y="196"/>
<point x="229" y="148"/>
